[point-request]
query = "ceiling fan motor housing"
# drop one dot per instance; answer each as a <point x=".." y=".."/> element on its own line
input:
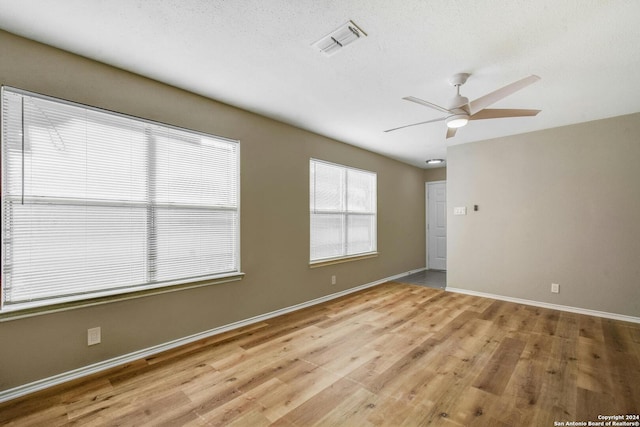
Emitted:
<point x="458" y="102"/>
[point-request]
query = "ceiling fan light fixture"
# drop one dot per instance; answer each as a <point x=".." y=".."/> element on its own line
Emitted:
<point x="457" y="121"/>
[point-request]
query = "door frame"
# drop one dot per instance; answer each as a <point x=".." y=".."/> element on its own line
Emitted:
<point x="426" y="214"/>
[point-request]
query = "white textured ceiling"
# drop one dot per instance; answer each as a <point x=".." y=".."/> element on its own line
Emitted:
<point x="257" y="55"/>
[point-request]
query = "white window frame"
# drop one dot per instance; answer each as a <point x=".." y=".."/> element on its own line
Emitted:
<point x="345" y="213"/>
<point x="151" y="285"/>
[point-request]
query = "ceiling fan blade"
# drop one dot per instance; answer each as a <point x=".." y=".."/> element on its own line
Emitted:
<point x="416" y="124"/>
<point x="427" y="104"/>
<point x="497" y="95"/>
<point x="493" y="113"/>
<point x="451" y="132"/>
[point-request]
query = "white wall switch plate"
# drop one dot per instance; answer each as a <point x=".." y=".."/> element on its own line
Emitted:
<point x="460" y="210"/>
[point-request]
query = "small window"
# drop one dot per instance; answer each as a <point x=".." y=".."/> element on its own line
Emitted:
<point x="96" y="203"/>
<point x="343" y="211"/>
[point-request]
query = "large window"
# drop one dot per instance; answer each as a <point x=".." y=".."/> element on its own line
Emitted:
<point x="96" y="203"/>
<point x="343" y="211"/>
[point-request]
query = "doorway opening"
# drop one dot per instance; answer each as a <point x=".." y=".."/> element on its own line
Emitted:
<point x="429" y="278"/>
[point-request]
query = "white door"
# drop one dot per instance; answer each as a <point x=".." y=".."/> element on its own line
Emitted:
<point x="437" y="225"/>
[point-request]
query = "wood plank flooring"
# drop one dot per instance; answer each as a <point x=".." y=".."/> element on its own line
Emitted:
<point x="392" y="355"/>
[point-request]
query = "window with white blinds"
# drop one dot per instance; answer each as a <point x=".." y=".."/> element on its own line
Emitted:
<point x="343" y="211"/>
<point x="96" y="203"/>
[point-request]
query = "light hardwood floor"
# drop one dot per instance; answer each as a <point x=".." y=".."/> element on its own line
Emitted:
<point x="395" y="354"/>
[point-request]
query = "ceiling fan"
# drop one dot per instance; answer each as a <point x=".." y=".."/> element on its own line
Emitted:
<point x="460" y="110"/>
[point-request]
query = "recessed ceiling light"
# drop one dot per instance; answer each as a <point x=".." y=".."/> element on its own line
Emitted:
<point x="435" y="161"/>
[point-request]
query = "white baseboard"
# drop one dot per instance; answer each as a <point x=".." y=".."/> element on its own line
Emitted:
<point x="588" y="312"/>
<point x="42" y="384"/>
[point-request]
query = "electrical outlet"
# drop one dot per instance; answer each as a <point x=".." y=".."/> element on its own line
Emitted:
<point x="555" y="288"/>
<point x="93" y="336"/>
<point x="333" y="280"/>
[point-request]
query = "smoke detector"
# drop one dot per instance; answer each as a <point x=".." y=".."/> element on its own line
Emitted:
<point x="343" y="36"/>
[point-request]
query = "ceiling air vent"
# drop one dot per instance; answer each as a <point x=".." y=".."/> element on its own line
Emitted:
<point x="345" y="35"/>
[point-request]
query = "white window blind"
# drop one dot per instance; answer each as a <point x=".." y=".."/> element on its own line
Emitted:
<point x="96" y="203"/>
<point x="343" y="211"/>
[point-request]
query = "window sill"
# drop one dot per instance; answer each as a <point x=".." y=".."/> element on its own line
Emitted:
<point x="19" y="313"/>
<point x="332" y="261"/>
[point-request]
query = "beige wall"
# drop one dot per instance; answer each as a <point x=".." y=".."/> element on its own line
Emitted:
<point x="274" y="220"/>
<point x="560" y="205"/>
<point x="435" y="174"/>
